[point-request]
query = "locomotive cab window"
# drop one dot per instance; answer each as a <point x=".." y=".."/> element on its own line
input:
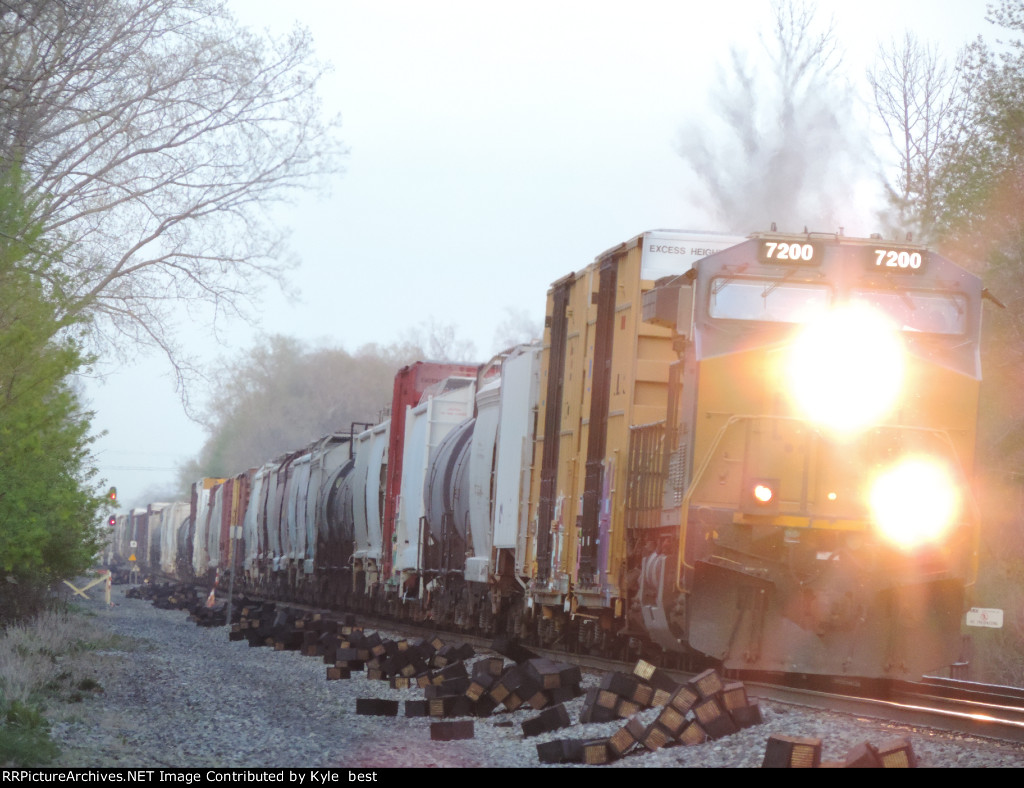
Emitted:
<point x="767" y="300"/>
<point x="919" y="310"/>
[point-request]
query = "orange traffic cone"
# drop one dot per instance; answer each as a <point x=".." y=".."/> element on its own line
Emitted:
<point x="211" y="600"/>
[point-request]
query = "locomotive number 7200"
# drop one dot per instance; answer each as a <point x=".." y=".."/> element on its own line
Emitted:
<point x="788" y="251"/>
<point x="891" y="258"/>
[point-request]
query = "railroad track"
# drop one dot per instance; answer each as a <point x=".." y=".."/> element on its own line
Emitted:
<point x="954" y="706"/>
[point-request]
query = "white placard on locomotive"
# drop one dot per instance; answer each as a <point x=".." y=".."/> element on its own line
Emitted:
<point x="991" y="617"/>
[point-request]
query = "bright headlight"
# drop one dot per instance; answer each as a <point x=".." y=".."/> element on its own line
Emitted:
<point x="915" y="503"/>
<point x="845" y="368"/>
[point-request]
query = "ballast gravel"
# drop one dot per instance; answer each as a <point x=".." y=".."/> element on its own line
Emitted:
<point x="184" y="696"/>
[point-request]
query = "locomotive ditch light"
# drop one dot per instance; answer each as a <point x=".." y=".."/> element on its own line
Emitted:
<point x="915" y="502"/>
<point x="761" y="496"/>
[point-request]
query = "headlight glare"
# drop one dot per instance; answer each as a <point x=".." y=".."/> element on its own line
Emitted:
<point x="915" y="502"/>
<point x="845" y="369"/>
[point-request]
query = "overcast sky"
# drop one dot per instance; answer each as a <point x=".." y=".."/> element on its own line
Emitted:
<point x="494" y="147"/>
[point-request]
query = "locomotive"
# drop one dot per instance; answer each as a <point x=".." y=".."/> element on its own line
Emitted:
<point x="750" y="450"/>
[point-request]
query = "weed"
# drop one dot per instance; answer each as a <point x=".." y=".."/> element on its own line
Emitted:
<point x="22" y="747"/>
<point x="43" y="661"/>
<point x="25" y="737"/>
<point x="19" y="715"/>
<point x="89" y="685"/>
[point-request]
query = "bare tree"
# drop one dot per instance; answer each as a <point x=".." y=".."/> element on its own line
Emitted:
<point x="436" y="341"/>
<point x="922" y="102"/>
<point x="518" y="327"/>
<point x="788" y="136"/>
<point x="283" y="394"/>
<point x="160" y="133"/>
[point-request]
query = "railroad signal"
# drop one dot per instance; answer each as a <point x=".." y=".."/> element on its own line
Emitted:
<point x="112" y="494"/>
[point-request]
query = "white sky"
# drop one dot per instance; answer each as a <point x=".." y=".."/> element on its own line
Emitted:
<point x="494" y="148"/>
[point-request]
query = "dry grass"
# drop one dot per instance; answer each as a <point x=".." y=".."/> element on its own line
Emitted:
<point x="45" y="664"/>
<point x="38" y="658"/>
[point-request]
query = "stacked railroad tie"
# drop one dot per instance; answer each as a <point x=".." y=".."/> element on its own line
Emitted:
<point x="439" y="669"/>
<point x="264" y="624"/>
<point x="202" y="607"/>
<point x="454" y="687"/>
<point x="793" y="752"/>
<point x="167" y="596"/>
<point x="705" y="707"/>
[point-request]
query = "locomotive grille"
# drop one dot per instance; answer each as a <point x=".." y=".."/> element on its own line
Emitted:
<point x="677" y="475"/>
<point x="646" y="474"/>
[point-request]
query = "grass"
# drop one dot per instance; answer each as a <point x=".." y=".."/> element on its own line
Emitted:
<point x="44" y="664"/>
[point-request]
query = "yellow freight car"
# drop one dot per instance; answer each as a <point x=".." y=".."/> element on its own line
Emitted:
<point x="603" y="371"/>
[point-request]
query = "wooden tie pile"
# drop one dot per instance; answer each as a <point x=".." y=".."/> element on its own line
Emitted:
<point x="167" y="596"/>
<point x="703" y="708"/>
<point x="691" y="713"/>
<point x="793" y="752"/>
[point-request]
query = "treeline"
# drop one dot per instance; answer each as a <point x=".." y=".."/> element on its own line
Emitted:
<point x="283" y="394"/>
<point x="142" y="143"/>
<point x="48" y="507"/>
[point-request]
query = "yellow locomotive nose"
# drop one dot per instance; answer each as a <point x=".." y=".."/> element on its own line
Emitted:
<point x="845" y="368"/>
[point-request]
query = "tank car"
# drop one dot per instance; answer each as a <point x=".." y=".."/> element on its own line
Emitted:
<point x="116" y="551"/>
<point x="383" y="508"/>
<point x="195" y="563"/>
<point x="288" y="515"/>
<point x="476" y="498"/>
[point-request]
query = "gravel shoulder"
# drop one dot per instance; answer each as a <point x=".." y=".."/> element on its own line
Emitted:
<point x="184" y="696"/>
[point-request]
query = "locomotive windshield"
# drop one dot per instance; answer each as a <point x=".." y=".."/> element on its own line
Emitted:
<point x="919" y="310"/>
<point x="767" y="300"/>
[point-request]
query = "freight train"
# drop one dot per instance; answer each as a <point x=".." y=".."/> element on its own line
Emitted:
<point x="752" y="450"/>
